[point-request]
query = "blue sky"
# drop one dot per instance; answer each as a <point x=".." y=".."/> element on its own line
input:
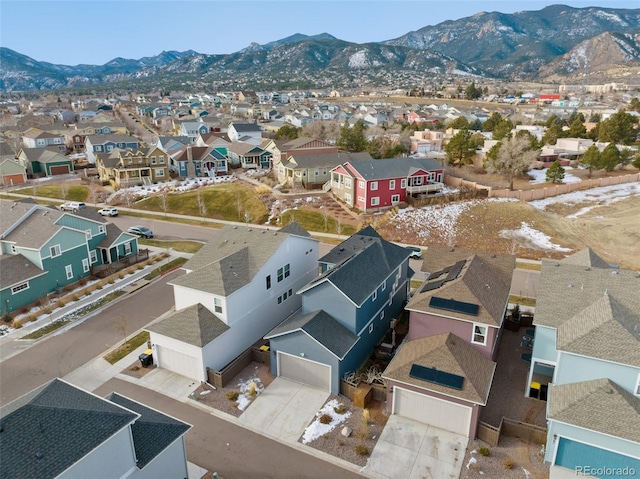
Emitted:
<point x="96" y="31"/>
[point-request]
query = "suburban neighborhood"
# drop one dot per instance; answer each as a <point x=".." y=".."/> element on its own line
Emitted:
<point x="321" y="282"/>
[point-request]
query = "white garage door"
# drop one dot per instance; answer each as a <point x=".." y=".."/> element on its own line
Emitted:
<point x="429" y="410"/>
<point x="304" y="371"/>
<point x="179" y="362"/>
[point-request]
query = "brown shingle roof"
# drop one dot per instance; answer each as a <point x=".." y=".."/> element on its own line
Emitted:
<point x="16" y="269"/>
<point x="586" y="257"/>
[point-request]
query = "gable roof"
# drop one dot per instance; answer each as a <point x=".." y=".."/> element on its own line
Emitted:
<point x="599" y="405"/>
<point x="294" y="228"/>
<point x="321" y="326"/>
<point x="586" y="257"/>
<point x="43" y="155"/>
<point x="152" y="432"/>
<point x="314" y="160"/>
<point x="194" y="325"/>
<point x="17" y="269"/>
<point x="448" y="353"/>
<point x="392" y="167"/>
<point x="484" y="280"/>
<point x="246" y="127"/>
<point x="52" y="427"/>
<point x="35" y="230"/>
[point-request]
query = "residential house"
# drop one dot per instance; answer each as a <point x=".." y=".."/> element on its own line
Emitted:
<point x="66" y="116"/>
<point x="105" y="143"/>
<point x="248" y="96"/>
<point x="465" y="293"/>
<point x="12" y="172"/>
<point x="42" y="249"/>
<point x="192" y="129"/>
<point x="6" y="151"/>
<point x="61" y="431"/>
<point x="345" y="312"/>
<point x="213" y="138"/>
<point x="313" y="170"/>
<point x="282" y="149"/>
<point x="191" y="161"/>
<point x="44" y="139"/>
<point x="586" y="358"/>
<point x="373" y="184"/>
<point x="40" y="162"/>
<point x="171" y="143"/>
<point x="424" y="142"/>
<point x="238" y="287"/>
<point x="128" y="167"/>
<point x="248" y="155"/>
<point x="245" y="132"/>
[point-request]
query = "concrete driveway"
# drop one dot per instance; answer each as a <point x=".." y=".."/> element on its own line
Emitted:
<point x="414" y="450"/>
<point x="284" y="409"/>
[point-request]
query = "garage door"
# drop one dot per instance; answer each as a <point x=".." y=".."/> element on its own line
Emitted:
<point x="13" y="179"/>
<point x="179" y="362"/>
<point x="59" y="170"/>
<point x="304" y="371"/>
<point x="429" y="410"/>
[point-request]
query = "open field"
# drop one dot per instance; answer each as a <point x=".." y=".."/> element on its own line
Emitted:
<point x="73" y="192"/>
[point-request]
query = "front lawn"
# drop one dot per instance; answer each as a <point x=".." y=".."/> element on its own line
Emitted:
<point x="124" y="349"/>
<point x="74" y="192"/>
<point x="314" y="221"/>
<point x="229" y="202"/>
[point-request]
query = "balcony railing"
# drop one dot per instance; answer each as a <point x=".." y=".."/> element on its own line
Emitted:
<point x="428" y="188"/>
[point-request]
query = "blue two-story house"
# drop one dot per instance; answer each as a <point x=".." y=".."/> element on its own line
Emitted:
<point x="105" y="143"/>
<point x="586" y="356"/>
<point x="42" y="249"/>
<point x="345" y="312"/>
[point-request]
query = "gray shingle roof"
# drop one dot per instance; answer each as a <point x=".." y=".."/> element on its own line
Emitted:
<point x="113" y="233"/>
<point x="294" y="228"/>
<point x="12" y="211"/>
<point x="317" y="160"/>
<point x="484" y="280"/>
<point x="51" y="428"/>
<point x="321" y="327"/>
<point x="230" y="259"/>
<point x="586" y="257"/>
<point x="37" y="229"/>
<point x="246" y="127"/>
<point x="598" y="405"/>
<point x="16" y="269"/>
<point x="152" y="432"/>
<point x="393" y="167"/>
<point x="577" y="295"/>
<point x="448" y="353"/>
<point x="194" y="325"/>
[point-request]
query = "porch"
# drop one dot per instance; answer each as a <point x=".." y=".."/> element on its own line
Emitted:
<point x="104" y="270"/>
<point x="434" y="187"/>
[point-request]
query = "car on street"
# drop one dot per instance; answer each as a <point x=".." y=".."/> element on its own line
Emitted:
<point x="416" y="253"/>
<point x="72" y="206"/>
<point x="140" y="231"/>
<point x="110" y="211"/>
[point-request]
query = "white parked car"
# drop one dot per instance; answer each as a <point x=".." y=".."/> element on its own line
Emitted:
<point x="73" y="206"/>
<point x="110" y="211"/>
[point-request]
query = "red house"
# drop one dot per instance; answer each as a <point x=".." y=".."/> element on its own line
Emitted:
<point x="372" y="184"/>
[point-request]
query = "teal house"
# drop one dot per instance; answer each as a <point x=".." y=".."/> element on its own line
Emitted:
<point x="43" y="249"/>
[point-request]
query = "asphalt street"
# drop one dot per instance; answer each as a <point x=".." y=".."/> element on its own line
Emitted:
<point x="59" y="354"/>
<point x="230" y="450"/>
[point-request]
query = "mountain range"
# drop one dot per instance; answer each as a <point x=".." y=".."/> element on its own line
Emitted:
<point x="555" y="44"/>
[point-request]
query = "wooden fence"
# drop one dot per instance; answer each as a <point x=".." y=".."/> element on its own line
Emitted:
<point x="348" y="390"/>
<point x="511" y="428"/>
<point x="254" y="354"/>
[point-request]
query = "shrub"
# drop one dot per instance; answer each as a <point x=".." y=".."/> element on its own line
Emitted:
<point x="362" y="450"/>
<point x="508" y="463"/>
<point x="340" y="409"/>
<point x="22" y="310"/>
<point x="61" y="303"/>
<point x="6" y="317"/>
<point x="484" y="451"/>
<point x="121" y="275"/>
<point x="82" y="281"/>
<point x="325" y="419"/>
<point x="46" y="310"/>
<point x="252" y="389"/>
<point x="17" y="323"/>
<point x="365" y="417"/>
<point x="232" y="395"/>
<point x="75" y="297"/>
<point x="134" y="368"/>
<point x="32" y="317"/>
<point x="39" y="303"/>
<point x="263" y="190"/>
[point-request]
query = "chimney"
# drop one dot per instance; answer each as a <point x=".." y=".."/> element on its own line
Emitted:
<point x="191" y="167"/>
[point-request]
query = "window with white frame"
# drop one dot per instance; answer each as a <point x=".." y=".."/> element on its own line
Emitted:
<point x="347" y="182"/>
<point x="403" y="183"/>
<point x="102" y="229"/>
<point x="93" y="256"/>
<point x="373" y="186"/>
<point x="14" y="249"/>
<point x="159" y="172"/>
<point x="637" y="388"/>
<point x="161" y="160"/>
<point x="20" y="287"/>
<point x="153" y="160"/>
<point x="392" y="184"/>
<point x="68" y="269"/>
<point x="383" y="286"/>
<point x="381" y="314"/>
<point x="371" y="328"/>
<point x="361" y="199"/>
<point x="479" y="334"/>
<point x="374" y="296"/>
<point x="127" y="248"/>
<point x="85" y="265"/>
<point x="55" y="250"/>
<point x="375" y="201"/>
<point x="361" y="184"/>
<point x="88" y="234"/>
<point x="217" y="305"/>
<point x="283" y="272"/>
<point x="347" y="197"/>
<point x="395" y="199"/>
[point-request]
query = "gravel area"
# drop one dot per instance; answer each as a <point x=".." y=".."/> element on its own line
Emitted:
<point x="217" y="398"/>
<point x="362" y="436"/>
<point x="511" y="459"/>
<point x="137" y="371"/>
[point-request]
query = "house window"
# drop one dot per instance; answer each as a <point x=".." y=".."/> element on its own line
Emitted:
<point x="361" y="184"/>
<point x="381" y="314"/>
<point x="102" y="229"/>
<point x="268" y="281"/>
<point x="374" y="185"/>
<point x="361" y="199"/>
<point x="403" y="183"/>
<point x="153" y="160"/>
<point x="479" y="334"/>
<point x="68" y="269"/>
<point x="93" y="256"/>
<point x="85" y="265"/>
<point x="374" y="296"/>
<point x="392" y="184"/>
<point x="20" y="287"/>
<point x="371" y="328"/>
<point x="217" y="305"/>
<point x="279" y="299"/>
<point x="159" y="172"/>
<point x="14" y="249"/>
<point x="88" y="233"/>
<point x="290" y="292"/>
<point x="161" y="160"/>
<point x="395" y="199"/>
<point x="283" y="272"/>
<point x="375" y="201"/>
<point x="317" y="172"/>
<point x="55" y="250"/>
<point x="130" y="160"/>
<point x="347" y="197"/>
<point x="127" y="248"/>
<point x="637" y="388"/>
<point x="347" y="182"/>
<point x="383" y="285"/>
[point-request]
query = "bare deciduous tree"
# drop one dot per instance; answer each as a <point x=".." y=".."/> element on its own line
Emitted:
<point x="202" y="204"/>
<point x="513" y="159"/>
<point x="121" y="323"/>
<point x="64" y="189"/>
<point x="164" y="200"/>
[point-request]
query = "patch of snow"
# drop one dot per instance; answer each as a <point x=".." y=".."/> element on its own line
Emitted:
<point x="526" y="473"/>
<point x="602" y="196"/>
<point x="472" y="460"/>
<point x="540" y="176"/>
<point x="245" y="398"/>
<point x="531" y="238"/>
<point x="316" y="429"/>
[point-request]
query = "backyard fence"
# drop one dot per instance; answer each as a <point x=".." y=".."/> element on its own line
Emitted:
<point x="221" y="378"/>
<point x="348" y="390"/>
<point x="510" y="428"/>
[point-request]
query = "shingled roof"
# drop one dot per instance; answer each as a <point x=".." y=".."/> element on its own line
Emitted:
<point x="586" y="257"/>
<point x="393" y="167"/>
<point x="599" y="405"/>
<point x="448" y="353"/>
<point x="152" y="432"/>
<point x="51" y="428"/>
<point x="194" y="325"/>
<point x="17" y="269"/>
<point x="320" y="326"/>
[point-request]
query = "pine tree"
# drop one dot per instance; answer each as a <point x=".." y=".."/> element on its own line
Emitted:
<point x="555" y="173"/>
